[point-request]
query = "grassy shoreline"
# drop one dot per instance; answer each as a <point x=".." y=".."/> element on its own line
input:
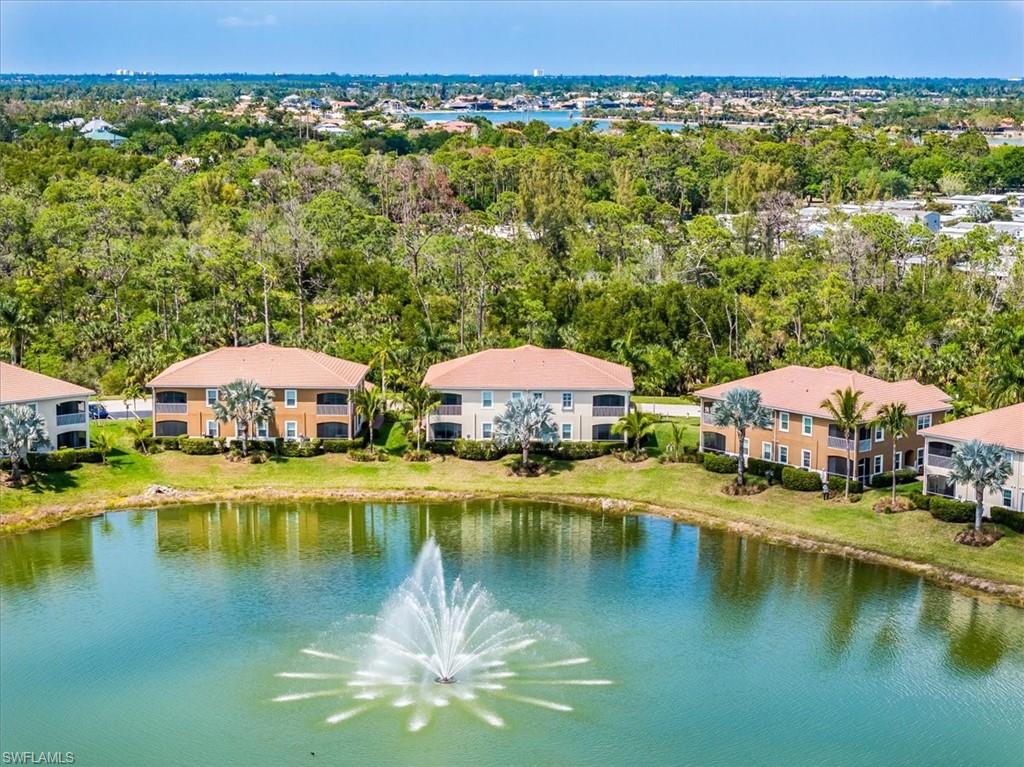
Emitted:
<point x="912" y="540"/>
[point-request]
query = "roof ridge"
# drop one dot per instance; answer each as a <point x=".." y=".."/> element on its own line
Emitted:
<point x="314" y="356"/>
<point x="588" y="359"/>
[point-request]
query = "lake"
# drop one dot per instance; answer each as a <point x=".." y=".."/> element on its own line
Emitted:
<point x="156" y="638"/>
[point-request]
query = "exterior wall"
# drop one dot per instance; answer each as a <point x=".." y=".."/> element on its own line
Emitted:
<point x="197" y="413"/>
<point x="472" y="414"/>
<point x="818" y="442"/>
<point x="936" y="466"/>
<point x="55" y="426"/>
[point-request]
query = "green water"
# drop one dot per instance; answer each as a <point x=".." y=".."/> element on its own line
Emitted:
<point x="154" y="638"/>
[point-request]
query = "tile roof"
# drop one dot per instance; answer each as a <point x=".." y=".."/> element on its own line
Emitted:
<point x="802" y="390"/>
<point x="529" y="367"/>
<point x="271" y="366"/>
<point x="20" y="385"/>
<point x="1004" y="426"/>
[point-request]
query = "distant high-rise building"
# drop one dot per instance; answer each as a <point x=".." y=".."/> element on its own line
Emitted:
<point x="538" y="73"/>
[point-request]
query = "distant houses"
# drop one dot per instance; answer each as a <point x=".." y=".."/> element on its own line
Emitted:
<point x="64" y="406"/>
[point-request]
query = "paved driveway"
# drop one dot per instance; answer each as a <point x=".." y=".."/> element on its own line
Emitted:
<point x="677" y="411"/>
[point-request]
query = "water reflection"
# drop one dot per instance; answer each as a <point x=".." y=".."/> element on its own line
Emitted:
<point x="26" y="560"/>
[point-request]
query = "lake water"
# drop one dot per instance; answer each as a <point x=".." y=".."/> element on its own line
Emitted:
<point x="155" y="638"/>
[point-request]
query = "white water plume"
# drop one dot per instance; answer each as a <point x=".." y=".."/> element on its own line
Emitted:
<point x="431" y="648"/>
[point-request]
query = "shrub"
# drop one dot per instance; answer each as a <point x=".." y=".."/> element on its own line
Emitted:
<point x="417" y="456"/>
<point x="58" y="460"/>
<point x="578" y="451"/>
<point x="1008" y="518"/>
<point x="265" y="445"/>
<point x="720" y="464"/>
<point x="760" y="468"/>
<point x="800" y="479"/>
<point x="294" y="448"/>
<point x="167" y="443"/>
<point x="891" y="506"/>
<point x="88" y="455"/>
<point x="200" y="445"/>
<point x="948" y="510"/>
<point x="478" y="450"/>
<point x="440" y="448"/>
<point x="341" y="445"/>
<point x="838" y="485"/>
<point x="531" y="469"/>
<point x="903" y="476"/>
<point x="367" y="456"/>
<point x="753" y="487"/>
<point x="919" y="499"/>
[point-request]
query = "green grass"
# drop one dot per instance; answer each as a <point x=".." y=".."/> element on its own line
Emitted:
<point x="686" y="399"/>
<point x="663" y="434"/>
<point x="912" y="535"/>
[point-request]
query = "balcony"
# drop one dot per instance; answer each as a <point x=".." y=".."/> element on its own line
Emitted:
<point x="70" y="418"/>
<point x="705" y="417"/>
<point x="332" y="410"/>
<point x="864" y="446"/>
<point x="940" y="461"/>
<point x="178" y="408"/>
<point x="840" y="443"/>
<point x="449" y="410"/>
<point x="605" y="411"/>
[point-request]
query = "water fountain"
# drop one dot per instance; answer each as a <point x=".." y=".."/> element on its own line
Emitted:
<point x="431" y="647"/>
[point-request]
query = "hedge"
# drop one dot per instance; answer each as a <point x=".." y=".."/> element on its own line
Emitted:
<point x="478" y="450"/>
<point x="300" y="448"/>
<point x="341" y="445"/>
<point x="902" y="477"/>
<point x="578" y="451"/>
<point x="800" y="479"/>
<point x="199" y="446"/>
<point x="167" y="443"/>
<point x="58" y="460"/>
<point x="440" y="448"/>
<point x="760" y="468"/>
<point x="920" y="500"/>
<point x="948" y="510"/>
<point x="88" y="455"/>
<point x="720" y="464"/>
<point x="838" y="485"/>
<point x="1007" y="517"/>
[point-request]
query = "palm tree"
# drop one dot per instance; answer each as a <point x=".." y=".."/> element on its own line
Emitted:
<point x="420" y="401"/>
<point x="104" y="442"/>
<point x="247" y="404"/>
<point x="15" y="325"/>
<point x="676" y="442"/>
<point x="1006" y="387"/>
<point x="894" y="420"/>
<point x="21" y="430"/>
<point x="848" y="347"/>
<point x="982" y="465"/>
<point x="369" y="403"/>
<point x="139" y="432"/>
<point x="131" y="393"/>
<point x="524" y="421"/>
<point x="741" y="408"/>
<point x="848" y="411"/>
<point x="634" y="426"/>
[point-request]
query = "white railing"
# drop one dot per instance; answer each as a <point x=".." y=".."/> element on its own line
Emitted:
<point x="171" y="407"/>
<point x="70" y="418"/>
<point x="839" y="443"/>
<point x="332" y="409"/>
<point x="604" y="411"/>
<point x="940" y="461"/>
<point x="449" y="410"/>
<point x="705" y="417"/>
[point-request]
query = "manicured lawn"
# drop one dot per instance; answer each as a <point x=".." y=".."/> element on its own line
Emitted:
<point x="663" y="434"/>
<point x="912" y="535"/>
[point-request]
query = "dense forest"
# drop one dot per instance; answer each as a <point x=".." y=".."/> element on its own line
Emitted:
<point x="405" y="248"/>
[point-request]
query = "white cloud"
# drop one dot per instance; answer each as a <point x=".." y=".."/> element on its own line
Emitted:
<point x="268" y="20"/>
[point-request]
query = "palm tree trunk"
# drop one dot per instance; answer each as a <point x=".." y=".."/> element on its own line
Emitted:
<point x="893" y="464"/>
<point x="15" y="467"/>
<point x="979" y="505"/>
<point x="849" y="467"/>
<point x="245" y="439"/>
<point x="526" y="455"/>
<point x="739" y="463"/>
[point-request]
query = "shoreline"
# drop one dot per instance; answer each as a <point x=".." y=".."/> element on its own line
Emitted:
<point x="51" y="516"/>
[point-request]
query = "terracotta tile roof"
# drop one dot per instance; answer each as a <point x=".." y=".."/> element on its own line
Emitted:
<point x="529" y="367"/>
<point x="802" y="390"/>
<point x="1004" y="426"/>
<point x="20" y="385"/>
<point x="271" y="366"/>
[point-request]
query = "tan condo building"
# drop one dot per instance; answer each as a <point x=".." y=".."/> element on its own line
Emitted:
<point x="587" y="394"/>
<point x="312" y="392"/>
<point x="803" y="435"/>
<point x="1004" y="427"/>
<point x="64" y="406"/>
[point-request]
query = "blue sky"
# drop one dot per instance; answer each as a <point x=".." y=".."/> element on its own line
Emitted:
<point x="927" y="38"/>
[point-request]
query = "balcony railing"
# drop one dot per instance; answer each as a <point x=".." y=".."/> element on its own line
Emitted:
<point x="171" y="407"/>
<point x="705" y="417"/>
<point x="604" y="411"/>
<point x="332" y="409"/>
<point x="70" y="418"/>
<point x="940" y="461"/>
<point x="449" y="410"/>
<point x="840" y="443"/>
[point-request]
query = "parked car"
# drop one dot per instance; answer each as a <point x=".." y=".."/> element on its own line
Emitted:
<point x="97" y="411"/>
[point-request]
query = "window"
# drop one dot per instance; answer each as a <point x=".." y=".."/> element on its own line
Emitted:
<point x="515" y="396"/>
<point x="897" y="463"/>
<point x="212" y="428"/>
<point x="291" y="429"/>
<point x="1007" y="498"/>
<point x="766" y="451"/>
<point x="920" y="457"/>
<point x="567" y="400"/>
<point x="486" y="430"/>
<point x="924" y="421"/>
<point x="746" y="447"/>
<point x="805" y="459"/>
<point x="261" y="430"/>
<point x="211" y="397"/>
<point x="783" y="421"/>
<point x="879" y="434"/>
<point x="601" y="432"/>
<point x="783" y="454"/>
<point x="808" y="426"/>
<point x="71" y="439"/>
<point x="447" y="431"/>
<point x="171" y="428"/>
<point x="566" y="431"/>
<point x="487" y="399"/>
<point x="332" y="430"/>
<point x="538" y="395"/>
<point x="879" y="466"/>
<point x="33" y="406"/>
<point x="291" y="398"/>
